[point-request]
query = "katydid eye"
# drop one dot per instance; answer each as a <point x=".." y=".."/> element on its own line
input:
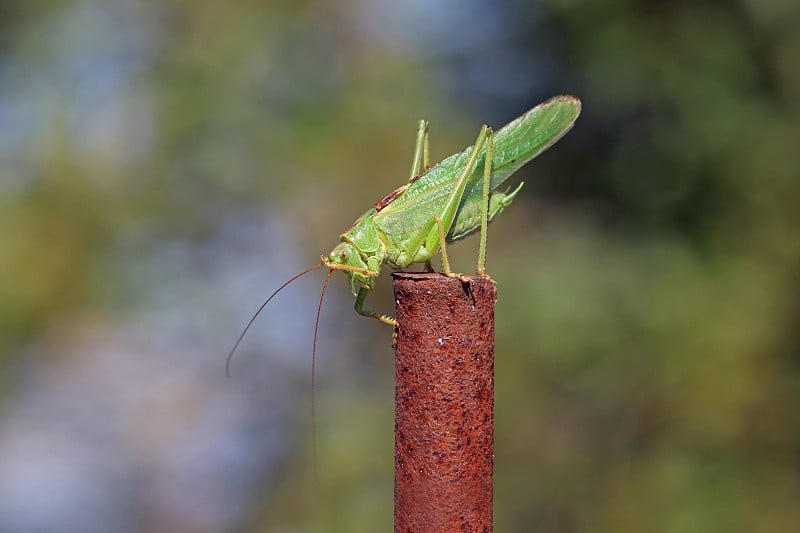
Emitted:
<point x="344" y="255"/>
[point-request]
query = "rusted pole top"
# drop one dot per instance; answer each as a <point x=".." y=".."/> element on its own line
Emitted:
<point x="444" y="403"/>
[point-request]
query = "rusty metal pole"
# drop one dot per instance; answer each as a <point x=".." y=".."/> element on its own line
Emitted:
<point x="444" y="403"/>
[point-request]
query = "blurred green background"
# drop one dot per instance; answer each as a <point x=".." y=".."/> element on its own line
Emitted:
<point x="165" y="165"/>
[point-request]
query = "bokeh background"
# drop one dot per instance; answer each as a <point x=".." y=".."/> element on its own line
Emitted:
<point x="166" y="165"/>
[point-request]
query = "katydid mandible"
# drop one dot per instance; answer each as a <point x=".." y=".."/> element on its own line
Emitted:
<point x="439" y="204"/>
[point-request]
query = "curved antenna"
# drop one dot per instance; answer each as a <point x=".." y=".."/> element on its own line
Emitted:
<point x="313" y="384"/>
<point x="253" y="319"/>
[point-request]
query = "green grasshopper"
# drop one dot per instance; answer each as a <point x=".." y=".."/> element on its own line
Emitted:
<point x="441" y="204"/>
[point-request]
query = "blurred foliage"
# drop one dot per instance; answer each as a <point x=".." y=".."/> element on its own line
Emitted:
<point x="647" y="346"/>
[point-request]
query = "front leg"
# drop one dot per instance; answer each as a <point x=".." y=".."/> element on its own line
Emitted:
<point x="359" y="307"/>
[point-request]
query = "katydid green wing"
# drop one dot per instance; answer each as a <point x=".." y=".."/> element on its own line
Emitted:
<point x="515" y="144"/>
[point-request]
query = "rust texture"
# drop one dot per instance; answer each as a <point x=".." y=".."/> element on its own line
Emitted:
<point x="444" y="403"/>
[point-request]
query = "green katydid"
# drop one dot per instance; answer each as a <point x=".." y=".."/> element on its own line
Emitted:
<point x="439" y="205"/>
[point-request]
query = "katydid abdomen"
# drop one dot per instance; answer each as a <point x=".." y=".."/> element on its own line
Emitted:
<point x="468" y="217"/>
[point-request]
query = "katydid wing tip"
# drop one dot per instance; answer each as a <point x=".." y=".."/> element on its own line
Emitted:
<point x="565" y="106"/>
<point x="574" y="101"/>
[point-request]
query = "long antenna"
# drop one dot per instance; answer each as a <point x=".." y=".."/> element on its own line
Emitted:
<point x="313" y="384"/>
<point x="253" y="319"/>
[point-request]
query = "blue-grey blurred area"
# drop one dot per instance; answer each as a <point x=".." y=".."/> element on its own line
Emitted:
<point x="164" y="166"/>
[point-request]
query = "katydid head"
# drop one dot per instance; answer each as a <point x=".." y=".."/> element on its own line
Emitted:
<point x="346" y="257"/>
